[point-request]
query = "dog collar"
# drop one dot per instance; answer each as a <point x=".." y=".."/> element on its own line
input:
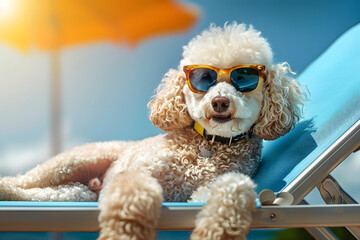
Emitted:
<point x="201" y="130"/>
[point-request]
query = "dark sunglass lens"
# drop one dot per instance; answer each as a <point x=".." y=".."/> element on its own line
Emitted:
<point x="202" y="78"/>
<point x="245" y="79"/>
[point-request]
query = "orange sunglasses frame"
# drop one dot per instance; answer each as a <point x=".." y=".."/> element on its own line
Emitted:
<point x="227" y="71"/>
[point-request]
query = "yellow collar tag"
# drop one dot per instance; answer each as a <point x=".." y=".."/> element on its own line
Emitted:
<point x="199" y="128"/>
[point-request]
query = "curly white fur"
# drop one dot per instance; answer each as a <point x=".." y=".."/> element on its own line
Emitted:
<point x="231" y="45"/>
<point x="131" y="179"/>
<point x="227" y="214"/>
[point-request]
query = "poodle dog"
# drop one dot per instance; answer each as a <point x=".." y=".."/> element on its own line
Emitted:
<point x="225" y="97"/>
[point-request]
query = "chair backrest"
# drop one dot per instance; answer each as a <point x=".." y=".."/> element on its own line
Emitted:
<point x="333" y="81"/>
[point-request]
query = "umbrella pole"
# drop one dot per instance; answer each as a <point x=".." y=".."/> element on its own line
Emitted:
<point x="55" y="103"/>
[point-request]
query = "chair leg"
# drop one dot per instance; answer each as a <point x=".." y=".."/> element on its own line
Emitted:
<point x="332" y="193"/>
<point x="321" y="233"/>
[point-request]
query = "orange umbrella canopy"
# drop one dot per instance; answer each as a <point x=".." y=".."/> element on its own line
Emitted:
<point x="52" y="24"/>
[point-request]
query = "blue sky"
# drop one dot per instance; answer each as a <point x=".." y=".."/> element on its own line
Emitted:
<point x="106" y="87"/>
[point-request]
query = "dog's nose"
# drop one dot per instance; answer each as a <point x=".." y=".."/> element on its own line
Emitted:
<point x="220" y="104"/>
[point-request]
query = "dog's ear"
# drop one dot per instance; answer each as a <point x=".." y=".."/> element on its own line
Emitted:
<point x="282" y="103"/>
<point x="168" y="109"/>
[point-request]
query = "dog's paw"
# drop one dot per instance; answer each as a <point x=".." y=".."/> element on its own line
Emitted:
<point x="1" y="190"/>
<point x="228" y="212"/>
<point x="8" y="191"/>
<point x="130" y="207"/>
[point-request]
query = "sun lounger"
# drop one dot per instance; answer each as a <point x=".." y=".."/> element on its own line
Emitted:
<point x="296" y="163"/>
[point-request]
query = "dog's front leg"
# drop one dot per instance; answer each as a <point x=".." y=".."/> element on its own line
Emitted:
<point x="228" y="211"/>
<point x="130" y="207"/>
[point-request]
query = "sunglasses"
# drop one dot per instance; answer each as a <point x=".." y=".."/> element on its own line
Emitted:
<point x="245" y="78"/>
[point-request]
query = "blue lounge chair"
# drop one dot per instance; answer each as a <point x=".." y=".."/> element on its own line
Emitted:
<point x="295" y="163"/>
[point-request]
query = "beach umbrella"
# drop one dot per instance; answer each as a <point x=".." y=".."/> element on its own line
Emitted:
<point x="51" y="25"/>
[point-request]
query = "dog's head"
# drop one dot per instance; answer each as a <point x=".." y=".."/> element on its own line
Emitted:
<point x="272" y="107"/>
